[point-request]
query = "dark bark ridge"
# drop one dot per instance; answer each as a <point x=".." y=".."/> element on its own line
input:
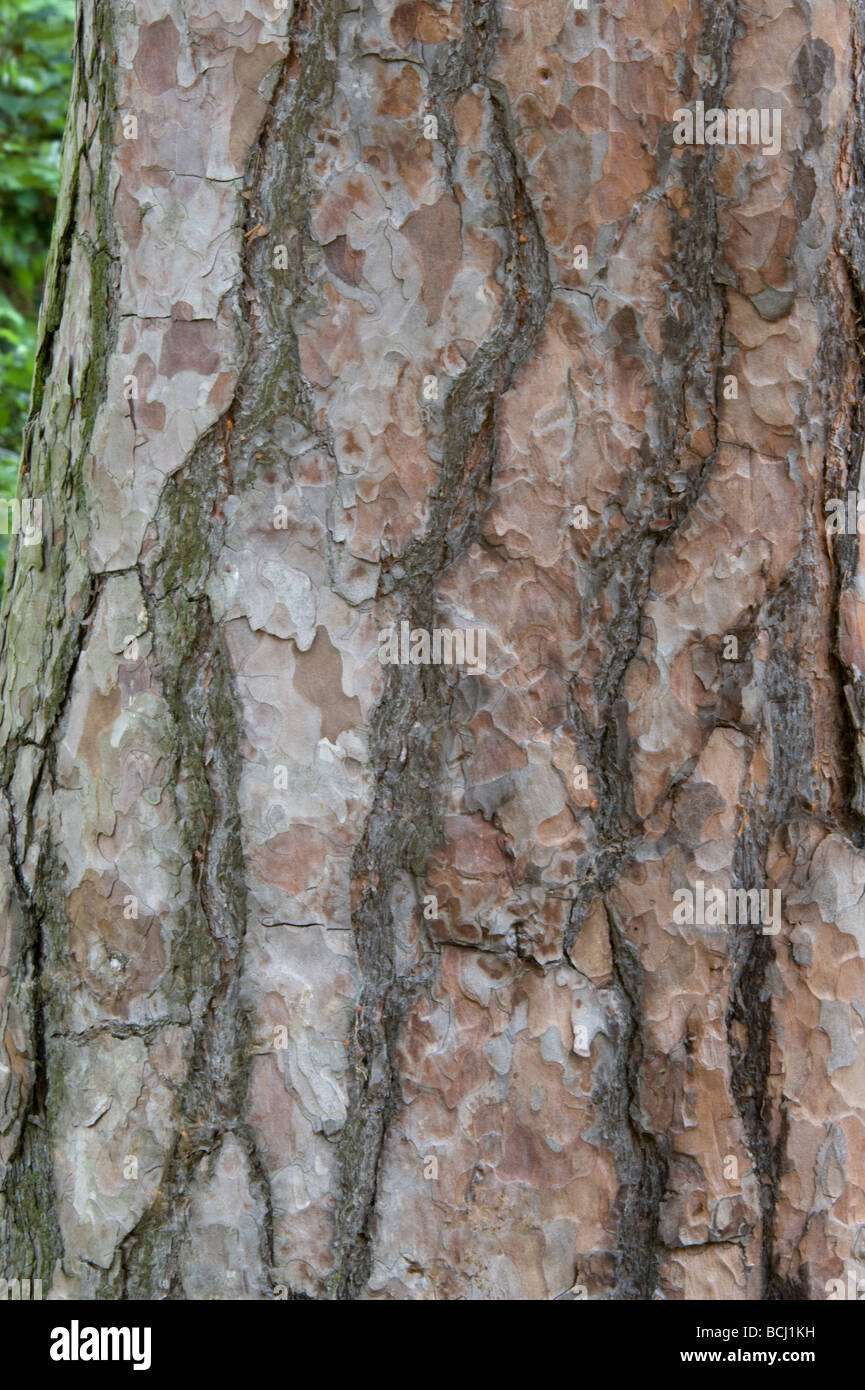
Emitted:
<point x="405" y="738"/>
<point x="31" y="1238"/>
<point x="199" y="683"/>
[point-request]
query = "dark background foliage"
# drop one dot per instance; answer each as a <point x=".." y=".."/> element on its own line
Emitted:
<point x="35" y="73"/>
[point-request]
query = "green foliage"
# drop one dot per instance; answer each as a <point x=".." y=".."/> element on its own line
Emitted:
<point x="36" y="39"/>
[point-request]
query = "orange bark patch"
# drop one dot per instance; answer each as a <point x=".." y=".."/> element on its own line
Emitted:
<point x="293" y="860"/>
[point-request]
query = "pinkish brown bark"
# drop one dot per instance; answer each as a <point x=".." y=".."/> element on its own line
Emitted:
<point x="324" y="977"/>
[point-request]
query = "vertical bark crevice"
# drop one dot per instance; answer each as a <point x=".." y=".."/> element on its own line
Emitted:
<point x="190" y="657"/>
<point x="749" y="1019"/>
<point x="272" y="391"/>
<point x="403" y="824"/>
<point x="31" y="1239"/>
<point x="32" y="1242"/>
<point x="789" y="721"/>
<point x="332" y="250"/>
<point x="642" y="1157"/>
<point x="27" y="1197"/>
<point x="843" y="375"/>
<point x="205" y="736"/>
<point x="199" y="686"/>
<point x="686" y="386"/>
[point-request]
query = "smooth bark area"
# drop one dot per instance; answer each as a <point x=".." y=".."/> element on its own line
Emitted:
<point x="332" y="978"/>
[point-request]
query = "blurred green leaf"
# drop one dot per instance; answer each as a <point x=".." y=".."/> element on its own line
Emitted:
<point x="36" y="38"/>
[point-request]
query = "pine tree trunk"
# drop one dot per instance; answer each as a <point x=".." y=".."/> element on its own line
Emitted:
<point x="327" y="976"/>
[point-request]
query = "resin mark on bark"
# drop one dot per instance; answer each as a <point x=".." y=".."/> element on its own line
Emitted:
<point x="404" y="820"/>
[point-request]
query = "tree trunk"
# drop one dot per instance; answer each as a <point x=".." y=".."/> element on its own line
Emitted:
<point x="330" y="972"/>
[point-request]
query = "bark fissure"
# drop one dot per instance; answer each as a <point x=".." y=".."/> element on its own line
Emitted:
<point x="689" y="368"/>
<point x="792" y="792"/>
<point x="749" y="1020"/>
<point x="844" y="398"/>
<point x="372" y="396"/>
<point x="32" y="1238"/>
<point x="687" y="385"/>
<point x="406" y="727"/>
<point x="31" y="1241"/>
<point x="642" y="1157"/>
<point x="192" y="654"/>
<point x="206" y="738"/>
<point x="272" y="389"/>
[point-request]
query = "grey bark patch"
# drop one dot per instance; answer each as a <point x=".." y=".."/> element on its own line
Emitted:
<point x="772" y="304"/>
<point x="835" y="1022"/>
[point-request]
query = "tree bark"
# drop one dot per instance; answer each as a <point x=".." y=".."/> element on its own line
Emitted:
<point x="330" y="978"/>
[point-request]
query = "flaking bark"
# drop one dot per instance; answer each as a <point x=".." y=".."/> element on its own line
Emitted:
<point x="329" y="979"/>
